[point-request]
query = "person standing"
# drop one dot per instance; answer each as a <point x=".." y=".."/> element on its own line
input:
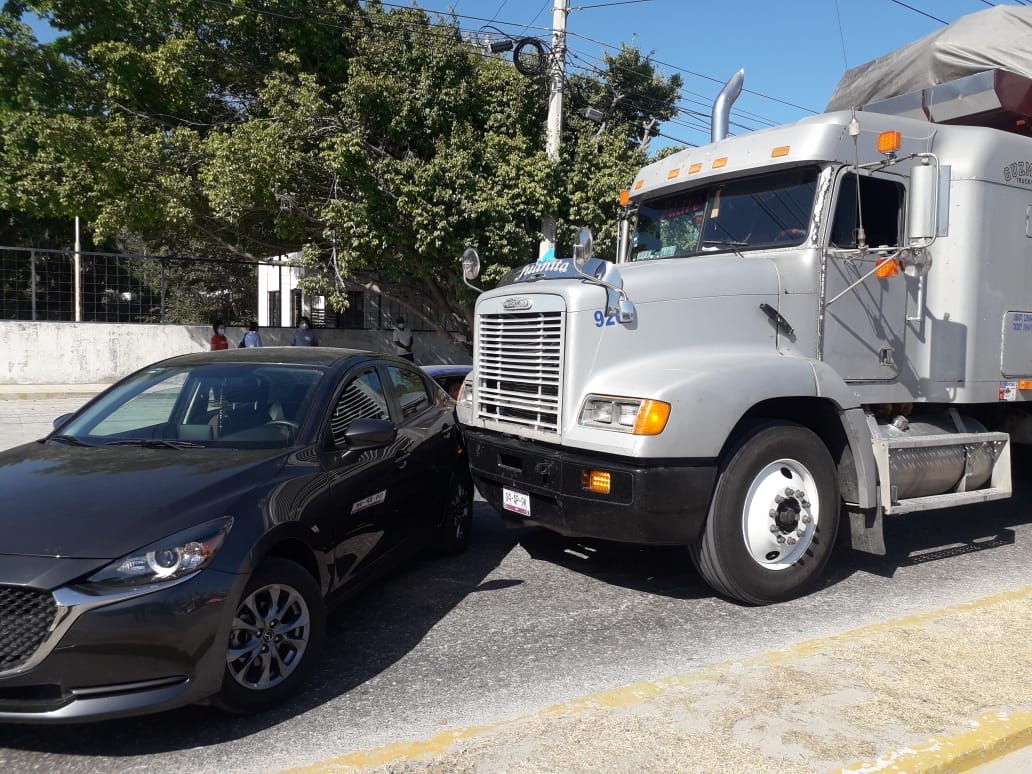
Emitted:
<point x="251" y="338"/>
<point x="402" y="339"/>
<point x="304" y="336"/>
<point x="219" y="340"/>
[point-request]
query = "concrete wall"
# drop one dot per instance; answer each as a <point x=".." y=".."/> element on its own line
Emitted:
<point x="97" y="353"/>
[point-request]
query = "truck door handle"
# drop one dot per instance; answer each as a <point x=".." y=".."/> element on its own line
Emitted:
<point x="401" y="459"/>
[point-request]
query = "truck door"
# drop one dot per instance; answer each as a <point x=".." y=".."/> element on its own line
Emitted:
<point x="865" y="326"/>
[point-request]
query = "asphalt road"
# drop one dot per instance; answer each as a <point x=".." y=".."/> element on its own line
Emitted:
<point x="526" y="620"/>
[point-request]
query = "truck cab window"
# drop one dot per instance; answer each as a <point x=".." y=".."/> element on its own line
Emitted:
<point x="880" y="209"/>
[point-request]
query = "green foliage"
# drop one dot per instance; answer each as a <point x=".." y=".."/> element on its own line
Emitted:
<point x="371" y="134"/>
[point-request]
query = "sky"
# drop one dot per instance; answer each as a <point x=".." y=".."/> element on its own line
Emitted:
<point x="793" y="51"/>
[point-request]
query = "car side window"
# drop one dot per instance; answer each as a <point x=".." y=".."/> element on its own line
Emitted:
<point x="362" y="398"/>
<point x="410" y="390"/>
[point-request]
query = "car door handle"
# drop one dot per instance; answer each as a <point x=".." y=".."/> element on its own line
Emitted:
<point x="401" y="459"/>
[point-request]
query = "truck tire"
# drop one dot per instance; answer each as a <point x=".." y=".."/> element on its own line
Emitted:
<point x="773" y="518"/>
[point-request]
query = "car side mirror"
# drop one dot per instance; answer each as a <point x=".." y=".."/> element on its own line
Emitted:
<point x="62" y="419"/>
<point x="361" y="434"/>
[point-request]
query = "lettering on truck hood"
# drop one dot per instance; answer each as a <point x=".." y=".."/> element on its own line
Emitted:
<point x="553" y="269"/>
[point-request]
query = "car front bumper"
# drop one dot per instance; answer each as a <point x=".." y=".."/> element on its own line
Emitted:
<point x="128" y="653"/>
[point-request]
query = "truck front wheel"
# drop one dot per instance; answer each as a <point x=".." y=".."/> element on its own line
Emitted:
<point x="773" y="518"/>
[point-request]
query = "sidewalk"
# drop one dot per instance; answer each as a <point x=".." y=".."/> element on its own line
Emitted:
<point x="27" y="412"/>
<point x="946" y="691"/>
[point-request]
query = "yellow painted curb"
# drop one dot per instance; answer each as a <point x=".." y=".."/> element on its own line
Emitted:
<point x="995" y="734"/>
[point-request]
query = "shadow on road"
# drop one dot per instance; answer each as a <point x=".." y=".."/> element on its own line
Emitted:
<point x="661" y="570"/>
<point x="364" y="637"/>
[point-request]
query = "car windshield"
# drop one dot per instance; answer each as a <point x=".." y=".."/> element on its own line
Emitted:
<point x="219" y="405"/>
<point x="770" y="210"/>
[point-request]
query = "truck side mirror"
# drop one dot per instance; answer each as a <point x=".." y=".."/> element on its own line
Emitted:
<point x="923" y="204"/>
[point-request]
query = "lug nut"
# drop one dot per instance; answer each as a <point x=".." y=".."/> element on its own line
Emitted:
<point x="773" y="512"/>
<point x="789" y="491"/>
<point x="781" y="538"/>
<point x="791" y="541"/>
<point x="773" y="527"/>
<point x="806" y="518"/>
<point x="779" y="499"/>
<point x="800" y="532"/>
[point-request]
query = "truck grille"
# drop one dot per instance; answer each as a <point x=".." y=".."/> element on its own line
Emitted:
<point x="519" y="368"/>
<point x="25" y="619"/>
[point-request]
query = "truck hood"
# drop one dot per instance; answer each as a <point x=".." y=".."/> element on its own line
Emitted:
<point x="701" y="277"/>
<point x="645" y="282"/>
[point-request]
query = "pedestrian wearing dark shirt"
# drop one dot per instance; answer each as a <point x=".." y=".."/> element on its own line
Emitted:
<point x="304" y="336"/>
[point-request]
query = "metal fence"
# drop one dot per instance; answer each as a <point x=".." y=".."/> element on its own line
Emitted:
<point x="54" y="285"/>
<point x="37" y="284"/>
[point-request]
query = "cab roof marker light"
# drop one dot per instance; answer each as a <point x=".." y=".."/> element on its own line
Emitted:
<point x="780" y="151"/>
<point x="673" y="173"/>
<point x="639" y="185"/>
<point x="625" y="197"/>
<point x="696" y="167"/>
<point x="720" y="163"/>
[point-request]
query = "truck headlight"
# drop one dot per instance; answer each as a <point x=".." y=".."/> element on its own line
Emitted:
<point x="639" y="416"/>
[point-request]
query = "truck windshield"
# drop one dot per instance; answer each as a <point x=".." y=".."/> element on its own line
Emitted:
<point x="771" y="210"/>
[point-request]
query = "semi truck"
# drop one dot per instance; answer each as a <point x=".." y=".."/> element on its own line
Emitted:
<point x="804" y="331"/>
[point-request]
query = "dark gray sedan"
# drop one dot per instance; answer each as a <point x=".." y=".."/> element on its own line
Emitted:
<point x="179" y="538"/>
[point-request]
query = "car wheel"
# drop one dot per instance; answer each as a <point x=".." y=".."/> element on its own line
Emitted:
<point x="455" y="527"/>
<point x="773" y="518"/>
<point x="275" y="637"/>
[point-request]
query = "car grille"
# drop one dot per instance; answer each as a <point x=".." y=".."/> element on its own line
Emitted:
<point x="519" y="368"/>
<point x="25" y="619"/>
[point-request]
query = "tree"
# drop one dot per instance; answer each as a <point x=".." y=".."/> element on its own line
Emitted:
<point x="372" y="135"/>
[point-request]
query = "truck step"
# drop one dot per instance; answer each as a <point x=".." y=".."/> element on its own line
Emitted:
<point x="948" y="500"/>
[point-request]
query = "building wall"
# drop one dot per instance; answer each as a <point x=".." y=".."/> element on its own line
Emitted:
<point x="97" y="353"/>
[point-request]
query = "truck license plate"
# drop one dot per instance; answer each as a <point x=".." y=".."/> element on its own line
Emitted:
<point x="517" y="502"/>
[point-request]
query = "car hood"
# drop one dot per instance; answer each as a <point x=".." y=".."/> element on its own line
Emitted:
<point x="101" y="503"/>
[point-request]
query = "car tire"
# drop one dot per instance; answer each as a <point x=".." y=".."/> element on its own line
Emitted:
<point x="275" y="638"/>
<point x="773" y="518"/>
<point x="455" y="527"/>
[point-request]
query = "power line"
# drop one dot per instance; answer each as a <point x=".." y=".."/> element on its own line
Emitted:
<point x="918" y="10"/>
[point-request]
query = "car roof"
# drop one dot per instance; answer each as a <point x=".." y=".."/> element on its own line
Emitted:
<point x="311" y="356"/>
<point x="446" y="369"/>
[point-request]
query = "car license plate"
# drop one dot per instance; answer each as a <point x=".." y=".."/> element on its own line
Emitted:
<point x="517" y="502"/>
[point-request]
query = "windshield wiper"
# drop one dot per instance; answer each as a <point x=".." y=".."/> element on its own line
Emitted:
<point x="69" y="439"/>
<point x="155" y="443"/>
<point x="724" y="243"/>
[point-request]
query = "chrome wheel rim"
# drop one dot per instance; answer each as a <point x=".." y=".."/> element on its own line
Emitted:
<point x="270" y="633"/>
<point x="780" y="514"/>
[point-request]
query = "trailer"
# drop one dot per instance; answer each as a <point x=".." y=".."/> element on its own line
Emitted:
<point x="806" y="330"/>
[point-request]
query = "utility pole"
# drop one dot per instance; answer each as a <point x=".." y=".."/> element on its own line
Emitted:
<point x="555" y="108"/>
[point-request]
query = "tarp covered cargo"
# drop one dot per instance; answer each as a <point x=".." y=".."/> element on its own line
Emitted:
<point x="997" y="38"/>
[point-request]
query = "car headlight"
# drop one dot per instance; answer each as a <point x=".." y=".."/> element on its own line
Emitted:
<point x="167" y="559"/>
<point x="640" y="416"/>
